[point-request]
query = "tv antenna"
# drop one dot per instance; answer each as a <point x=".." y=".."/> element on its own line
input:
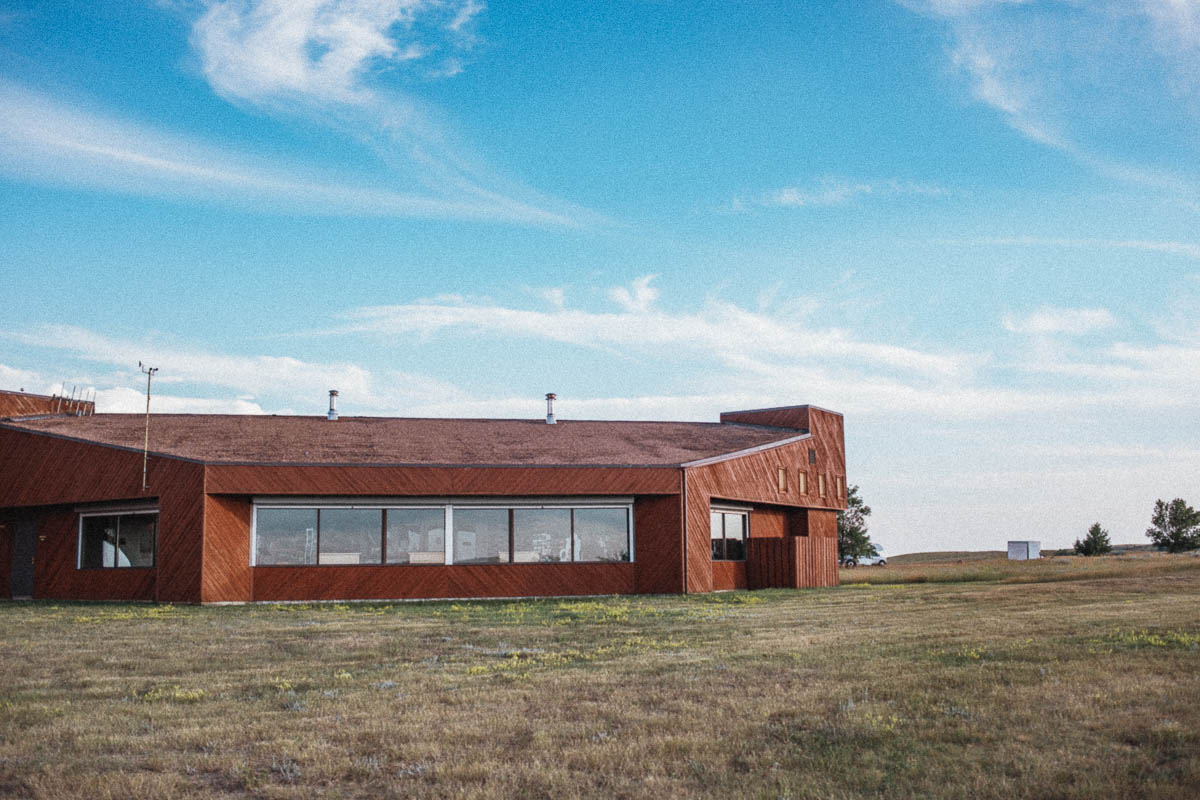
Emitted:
<point x="149" y="373"/>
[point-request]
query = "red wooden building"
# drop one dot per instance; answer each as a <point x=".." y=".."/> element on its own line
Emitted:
<point x="272" y="508"/>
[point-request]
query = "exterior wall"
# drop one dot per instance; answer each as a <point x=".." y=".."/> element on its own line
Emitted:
<point x="468" y="580"/>
<point x="753" y="479"/>
<point x="50" y="476"/>
<point x="23" y="404"/>
<point x="384" y="481"/>
<point x="228" y="576"/>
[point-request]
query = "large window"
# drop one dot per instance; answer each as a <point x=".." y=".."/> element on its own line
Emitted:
<point x="729" y="530"/>
<point x="481" y="535"/>
<point x="117" y="540"/>
<point x="418" y="535"/>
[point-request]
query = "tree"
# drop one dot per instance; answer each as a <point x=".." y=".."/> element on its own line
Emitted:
<point x="853" y="541"/>
<point x="1175" y="526"/>
<point x="1096" y="542"/>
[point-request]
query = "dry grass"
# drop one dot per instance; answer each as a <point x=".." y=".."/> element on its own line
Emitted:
<point x="997" y="568"/>
<point x="1079" y="688"/>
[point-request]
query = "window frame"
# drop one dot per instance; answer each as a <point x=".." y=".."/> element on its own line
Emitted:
<point x="448" y="506"/>
<point x="118" y="513"/>
<point x="724" y="511"/>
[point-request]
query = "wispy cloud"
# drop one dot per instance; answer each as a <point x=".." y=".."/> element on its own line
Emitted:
<point x="1185" y="249"/>
<point x="720" y="329"/>
<point x="831" y="191"/>
<point x="1050" y="320"/>
<point x="1078" y="77"/>
<point x="46" y="140"/>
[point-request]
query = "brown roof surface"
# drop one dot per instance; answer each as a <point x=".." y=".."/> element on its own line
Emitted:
<point x="391" y="440"/>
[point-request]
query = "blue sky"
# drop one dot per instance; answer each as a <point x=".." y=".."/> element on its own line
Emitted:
<point x="970" y="226"/>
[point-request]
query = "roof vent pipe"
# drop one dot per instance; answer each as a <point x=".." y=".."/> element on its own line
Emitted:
<point x="550" y="408"/>
<point x="333" y="393"/>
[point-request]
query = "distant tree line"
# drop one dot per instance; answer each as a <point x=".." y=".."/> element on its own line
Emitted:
<point x="1174" y="526"/>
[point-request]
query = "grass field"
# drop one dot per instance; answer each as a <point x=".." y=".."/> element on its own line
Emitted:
<point x="1076" y="682"/>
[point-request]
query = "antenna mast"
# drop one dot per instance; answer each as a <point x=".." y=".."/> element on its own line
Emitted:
<point x="149" y="373"/>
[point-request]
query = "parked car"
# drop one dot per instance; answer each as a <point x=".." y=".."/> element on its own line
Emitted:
<point x="877" y="560"/>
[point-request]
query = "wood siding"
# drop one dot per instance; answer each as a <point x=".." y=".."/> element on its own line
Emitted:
<point x="406" y="581"/>
<point x="441" y="481"/>
<point x="795" y="562"/>
<point x="23" y="404"/>
<point x="658" y="544"/>
<point x="227" y="575"/>
<point x="55" y="574"/>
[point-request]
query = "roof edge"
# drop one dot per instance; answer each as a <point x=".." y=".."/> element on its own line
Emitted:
<point x="748" y="451"/>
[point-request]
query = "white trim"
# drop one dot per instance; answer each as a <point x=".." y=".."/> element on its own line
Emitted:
<point x="748" y="451"/>
<point x="134" y="507"/>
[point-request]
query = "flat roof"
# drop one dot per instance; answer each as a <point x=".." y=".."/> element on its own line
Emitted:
<point x="252" y="439"/>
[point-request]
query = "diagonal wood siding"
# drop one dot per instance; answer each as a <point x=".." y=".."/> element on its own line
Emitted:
<point x="227" y="576"/>
<point x="407" y="581"/>
<point x="440" y="481"/>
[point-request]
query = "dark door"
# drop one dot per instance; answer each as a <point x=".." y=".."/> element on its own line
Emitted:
<point x="24" y="544"/>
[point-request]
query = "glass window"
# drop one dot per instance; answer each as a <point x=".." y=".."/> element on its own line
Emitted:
<point x="135" y="540"/>
<point x="729" y="530"/>
<point x="716" y="521"/>
<point x="782" y="479"/>
<point x="416" y="535"/>
<point x="117" y="540"/>
<point x="351" y="536"/>
<point x="601" y="534"/>
<point x="480" y="535"/>
<point x="541" y="534"/>
<point x="802" y="482"/>
<point x="286" y="536"/>
<point x="821" y="484"/>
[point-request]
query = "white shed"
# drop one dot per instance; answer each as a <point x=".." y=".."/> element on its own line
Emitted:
<point x="1024" y="550"/>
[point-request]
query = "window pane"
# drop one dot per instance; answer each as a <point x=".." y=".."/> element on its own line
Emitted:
<point x="135" y="540"/>
<point x="286" y="536"/>
<point x="480" y="535"/>
<point x="351" y="536"/>
<point x="416" y="536"/>
<point x="735" y="537"/>
<point x="601" y="534"/>
<point x="541" y="534"/>
<point x="99" y="542"/>
<point x="715" y="519"/>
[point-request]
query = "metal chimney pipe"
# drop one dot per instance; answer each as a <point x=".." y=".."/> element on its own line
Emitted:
<point x="550" y="408"/>
<point x="333" y="393"/>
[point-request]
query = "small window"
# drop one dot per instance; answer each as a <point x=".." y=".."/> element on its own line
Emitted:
<point x="812" y="456"/>
<point x="802" y="481"/>
<point x="821" y="484"/>
<point x="781" y="479"/>
<point x="840" y="487"/>
<point x="729" y="530"/>
<point x="117" y="540"/>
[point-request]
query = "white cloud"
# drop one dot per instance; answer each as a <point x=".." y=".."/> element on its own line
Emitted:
<point x="1078" y="76"/>
<point x="720" y="330"/>
<point x="830" y="191"/>
<point x="1184" y="249"/>
<point x="638" y="298"/>
<point x="1051" y="320"/>
<point x="43" y="139"/>
<point x="321" y="49"/>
